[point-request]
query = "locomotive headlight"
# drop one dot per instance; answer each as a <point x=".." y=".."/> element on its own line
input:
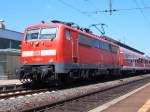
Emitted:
<point x="51" y="60"/>
<point x="25" y="62"/>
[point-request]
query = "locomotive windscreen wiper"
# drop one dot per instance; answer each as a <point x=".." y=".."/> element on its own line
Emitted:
<point x="52" y="38"/>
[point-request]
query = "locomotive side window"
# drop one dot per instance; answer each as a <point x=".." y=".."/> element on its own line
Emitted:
<point x="68" y="34"/>
<point x="106" y="46"/>
<point x="100" y="44"/>
<point x="95" y="43"/>
<point x="91" y="42"/>
<point x="32" y="34"/>
<point x="84" y="40"/>
<point x="48" y="33"/>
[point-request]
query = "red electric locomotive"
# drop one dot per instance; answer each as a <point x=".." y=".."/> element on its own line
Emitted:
<point x="57" y="50"/>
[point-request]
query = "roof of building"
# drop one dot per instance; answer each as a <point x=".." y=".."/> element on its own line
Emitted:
<point x="10" y="51"/>
<point x="10" y="34"/>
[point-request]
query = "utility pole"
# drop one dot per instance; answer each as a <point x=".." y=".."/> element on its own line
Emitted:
<point x="110" y="7"/>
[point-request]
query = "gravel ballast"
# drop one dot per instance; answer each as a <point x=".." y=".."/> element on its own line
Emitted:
<point x="28" y="102"/>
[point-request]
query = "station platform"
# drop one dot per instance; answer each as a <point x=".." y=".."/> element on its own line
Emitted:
<point x="136" y="101"/>
<point x="9" y="82"/>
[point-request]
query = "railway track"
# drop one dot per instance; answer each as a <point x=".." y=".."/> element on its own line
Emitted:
<point x="7" y="88"/>
<point x="40" y="100"/>
<point x="14" y="91"/>
<point x="19" y="92"/>
<point x="89" y="102"/>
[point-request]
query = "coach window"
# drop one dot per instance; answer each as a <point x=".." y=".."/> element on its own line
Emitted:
<point x="111" y="48"/>
<point x="68" y="34"/>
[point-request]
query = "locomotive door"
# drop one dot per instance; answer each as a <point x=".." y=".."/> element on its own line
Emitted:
<point x="75" y="54"/>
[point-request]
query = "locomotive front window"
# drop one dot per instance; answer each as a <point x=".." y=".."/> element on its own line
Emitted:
<point x="32" y="34"/>
<point x="48" y="33"/>
<point x="41" y="33"/>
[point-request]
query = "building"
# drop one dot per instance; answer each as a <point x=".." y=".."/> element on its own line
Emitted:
<point x="9" y="51"/>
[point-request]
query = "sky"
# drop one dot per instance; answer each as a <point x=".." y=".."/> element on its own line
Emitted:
<point x="131" y="27"/>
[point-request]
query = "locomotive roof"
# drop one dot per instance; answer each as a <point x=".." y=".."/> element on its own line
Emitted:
<point x="72" y="28"/>
<point x="104" y="38"/>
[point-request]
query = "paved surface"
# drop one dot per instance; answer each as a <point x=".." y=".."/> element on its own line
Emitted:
<point x="9" y="82"/>
<point x="139" y="101"/>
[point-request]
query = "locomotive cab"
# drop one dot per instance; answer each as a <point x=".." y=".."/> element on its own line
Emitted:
<point x="39" y="45"/>
<point x="39" y="52"/>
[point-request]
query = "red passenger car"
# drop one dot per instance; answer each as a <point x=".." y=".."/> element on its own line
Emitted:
<point x="132" y="61"/>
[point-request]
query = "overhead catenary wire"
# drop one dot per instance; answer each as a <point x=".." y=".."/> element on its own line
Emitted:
<point x="89" y="14"/>
<point x="115" y="10"/>
<point x="143" y="3"/>
<point x="142" y="13"/>
<point x="77" y="9"/>
<point x="110" y="10"/>
<point x="92" y="4"/>
<point x="71" y="6"/>
<point x="101" y="29"/>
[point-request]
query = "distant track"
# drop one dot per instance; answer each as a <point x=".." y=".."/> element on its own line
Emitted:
<point x="20" y="92"/>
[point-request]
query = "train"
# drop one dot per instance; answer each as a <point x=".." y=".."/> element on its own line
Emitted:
<point x="59" y="51"/>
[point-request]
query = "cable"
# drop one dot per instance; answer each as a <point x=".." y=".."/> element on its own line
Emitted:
<point x="145" y="18"/>
<point x="115" y="10"/>
<point x="143" y="3"/>
<point x="92" y="4"/>
<point x="71" y="6"/>
<point x="101" y="29"/>
<point x="76" y="9"/>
